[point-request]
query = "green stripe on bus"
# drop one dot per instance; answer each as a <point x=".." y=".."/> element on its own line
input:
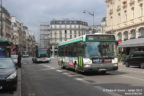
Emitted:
<point x="80" y="61"/>
<point x="72" y="41"/>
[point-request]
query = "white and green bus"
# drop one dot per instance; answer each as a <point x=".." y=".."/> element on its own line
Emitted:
<point x="96" y="52"/>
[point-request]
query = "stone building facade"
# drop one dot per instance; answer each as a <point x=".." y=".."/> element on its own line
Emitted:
<point x="125" y="18"/>
<point x="5" y="25"/>
<point x="62" y="30"/>
<point x="44" y="35"/>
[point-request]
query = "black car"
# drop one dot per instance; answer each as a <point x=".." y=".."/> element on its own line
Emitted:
<point x="8" y="74"/>
<point x="135" y="59"/>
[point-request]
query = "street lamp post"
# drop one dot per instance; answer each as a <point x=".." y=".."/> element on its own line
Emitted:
<point x="93" y="15"/>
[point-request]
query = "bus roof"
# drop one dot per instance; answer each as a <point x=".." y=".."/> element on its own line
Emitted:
<point x="80" y="38"/>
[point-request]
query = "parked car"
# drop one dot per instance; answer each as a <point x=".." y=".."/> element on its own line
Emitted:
<point x="8" y="74"/>
<point x="14" y="58"/>
<point x="135" y="59"/>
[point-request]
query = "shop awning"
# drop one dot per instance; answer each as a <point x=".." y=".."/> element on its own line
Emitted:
<point x="133" y="43"/>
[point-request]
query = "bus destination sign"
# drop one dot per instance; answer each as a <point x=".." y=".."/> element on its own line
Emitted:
<point x="100" y="37"/>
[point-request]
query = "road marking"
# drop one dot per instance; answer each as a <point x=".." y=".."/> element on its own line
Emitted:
<point x="65" y="73"/>
<point x="48" y="66"/>
<point x="132" y="77"/>
<point x="44" y="69"/>
<point x="82" y="80"/>
<point x="59" y="70"/>
<point x="52" y="68"/>
<point x="110" y="93"/>
<point x="70" y="75"/>
<point x="79" y="79"/>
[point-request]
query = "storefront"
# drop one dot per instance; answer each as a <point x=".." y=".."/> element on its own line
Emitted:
<point x="132" y="45"/>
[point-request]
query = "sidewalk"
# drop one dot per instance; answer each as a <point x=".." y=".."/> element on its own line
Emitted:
<point x="18" y="92"/>
<point x="120" y="63"/>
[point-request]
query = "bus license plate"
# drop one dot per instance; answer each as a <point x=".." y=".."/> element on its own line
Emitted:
<point x="97" y="61"/>
<point x="102" y="69"/>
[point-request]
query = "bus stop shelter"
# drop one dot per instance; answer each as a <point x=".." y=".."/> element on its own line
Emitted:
<point x="139" y="42"/>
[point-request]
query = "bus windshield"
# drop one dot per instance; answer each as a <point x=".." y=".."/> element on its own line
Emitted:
<point x="100" y="49"/>
<point x="43" y="53"/>
<point x="25" y="53"/>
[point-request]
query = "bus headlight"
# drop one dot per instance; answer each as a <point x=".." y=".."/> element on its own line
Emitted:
<point x="86" y="66"/>
<point x="115" y="64"/>
<point x="87" y="61"/>
<point x="115" y="60"/>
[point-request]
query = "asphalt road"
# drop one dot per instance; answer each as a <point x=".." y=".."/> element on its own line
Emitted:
<point x="47" y="79"/>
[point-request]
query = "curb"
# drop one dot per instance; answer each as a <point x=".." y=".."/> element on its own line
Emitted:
<point x="19" y="83"/>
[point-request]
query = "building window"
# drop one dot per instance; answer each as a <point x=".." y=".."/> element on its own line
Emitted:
<point x="125" y="15"/>
<point x="70" y="34"/>
<point x="120" y="36"/>
<point x="133" y="34"/>
<point x="60" y="34"/>
<point x="75" y="33"/>
<point x="55" y="34"/>
<point x="119" y="2"/>
<point x="111" y="5"/>
<point x="119" y="18"/>
<point x="141" y="31"/>
<point x="111" y="20"/>
<point x="65" y="35"/>
<point x="79" y="33"/>
<point x="133" y="13"/>
<point x="126" y="35"/>
<point x="141" y="9"/>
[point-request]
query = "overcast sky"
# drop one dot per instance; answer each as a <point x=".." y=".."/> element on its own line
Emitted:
<point x="32" y="12"/>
